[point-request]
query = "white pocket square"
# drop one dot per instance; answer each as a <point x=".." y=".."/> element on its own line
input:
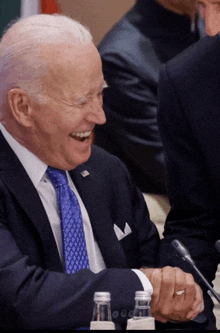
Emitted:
<point x="120" y="234"/>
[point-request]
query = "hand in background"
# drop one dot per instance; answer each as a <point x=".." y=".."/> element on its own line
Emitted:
<point x="166" y="304"/>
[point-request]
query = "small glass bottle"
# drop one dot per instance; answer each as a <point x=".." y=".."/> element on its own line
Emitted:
<point x="142" y="319"/>
<point x="102" y="318"/>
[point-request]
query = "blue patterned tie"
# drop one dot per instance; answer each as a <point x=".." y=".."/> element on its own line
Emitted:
<point x="74" y="245"/>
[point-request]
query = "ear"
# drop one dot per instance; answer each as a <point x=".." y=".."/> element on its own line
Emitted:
<point x="19" y="103"/>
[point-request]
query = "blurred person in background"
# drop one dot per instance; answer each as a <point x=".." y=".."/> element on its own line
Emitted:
<point x="189" y="125"/>
<point x="132" y="52"/>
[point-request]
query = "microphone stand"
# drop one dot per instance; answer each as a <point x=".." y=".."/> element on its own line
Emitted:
<point x="184" y="254"/>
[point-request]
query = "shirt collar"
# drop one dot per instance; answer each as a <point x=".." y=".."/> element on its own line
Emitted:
<point x="34" y="167"/>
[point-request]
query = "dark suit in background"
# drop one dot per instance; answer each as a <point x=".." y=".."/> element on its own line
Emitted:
<point x="29" y="260"/>
<point x="132" y="54"/>
<point x="189" y="123"/>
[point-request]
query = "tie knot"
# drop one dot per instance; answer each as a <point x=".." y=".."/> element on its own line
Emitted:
<point x="58" y="177"/>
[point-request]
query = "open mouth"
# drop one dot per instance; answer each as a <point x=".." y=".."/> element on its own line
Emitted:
<point x="81" y="136"/>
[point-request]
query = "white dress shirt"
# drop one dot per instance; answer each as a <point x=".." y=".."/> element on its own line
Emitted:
<point x="36" y="170"/>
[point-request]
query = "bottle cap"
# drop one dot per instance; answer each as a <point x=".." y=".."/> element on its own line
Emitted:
<point x="144" y="295"/>
<point x="102" y="296"/>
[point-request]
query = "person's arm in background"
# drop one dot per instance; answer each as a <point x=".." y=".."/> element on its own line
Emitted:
<point x="192" y="219"/>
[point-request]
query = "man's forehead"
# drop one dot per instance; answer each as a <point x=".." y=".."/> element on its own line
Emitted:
<point x="58" y="52"/>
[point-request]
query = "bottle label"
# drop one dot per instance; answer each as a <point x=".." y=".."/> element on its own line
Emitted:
<point x="102" y="325"/>
<point x="147" y="323"/>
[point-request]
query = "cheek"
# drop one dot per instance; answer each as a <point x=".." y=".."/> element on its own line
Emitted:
<point x="51" y="126"/>
<point x="54" y="127"/>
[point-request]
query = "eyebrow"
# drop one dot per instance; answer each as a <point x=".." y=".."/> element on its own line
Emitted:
<point x="85" y="98"/>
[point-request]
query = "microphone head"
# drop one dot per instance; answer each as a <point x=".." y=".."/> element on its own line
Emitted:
<point x="180" y="248"/>
<point x="182" y="251"/>
<point x="217" y="245"/>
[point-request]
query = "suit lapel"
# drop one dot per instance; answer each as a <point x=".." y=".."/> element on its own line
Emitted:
<point x="13" y="175"/>
<point x="93" y="197"/>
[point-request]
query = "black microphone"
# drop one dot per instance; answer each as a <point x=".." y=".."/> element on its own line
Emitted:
<point x="184" y="254"/>
<point x="182" y="251"/>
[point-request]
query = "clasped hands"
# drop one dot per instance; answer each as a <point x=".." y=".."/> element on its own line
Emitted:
<point x="176" y="296"/>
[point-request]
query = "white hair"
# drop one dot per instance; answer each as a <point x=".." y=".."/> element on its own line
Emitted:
<point x="20" y="65"/>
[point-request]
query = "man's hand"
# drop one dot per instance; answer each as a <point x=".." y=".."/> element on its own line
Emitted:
<point x="166" y="304"/>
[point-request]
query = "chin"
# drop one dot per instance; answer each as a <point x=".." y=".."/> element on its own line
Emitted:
<point x="78" y="161"/>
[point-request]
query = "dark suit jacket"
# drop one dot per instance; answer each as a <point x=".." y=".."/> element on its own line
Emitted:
<point x="132" y="54"/>
<point x="34" y="291"/>
<point x="189" y="123"/>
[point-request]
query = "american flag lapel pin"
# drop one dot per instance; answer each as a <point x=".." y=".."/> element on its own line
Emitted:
<point x="85" y="173"/>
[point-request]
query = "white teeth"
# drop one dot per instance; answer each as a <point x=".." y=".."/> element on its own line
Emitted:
<point x="81" y="134"/>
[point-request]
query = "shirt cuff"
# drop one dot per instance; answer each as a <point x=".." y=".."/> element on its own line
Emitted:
<point x="144" y="280"/>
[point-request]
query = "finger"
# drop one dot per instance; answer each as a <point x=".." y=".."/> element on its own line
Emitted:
<point x="156" y="279"/>
<point x="180" y="292"/>
<point x="180" y="283"/>
<point x="198" y="304"/>
<point x="184" y="281"/>
<point x="160" y="318"/>
<point x="191" y="290"/>
<point x="165" y="302"/>
<point x="198" y="297"/>
<point x="177" y="307"/>
<point x="168" y="283"/>
<point x="194" y="313"/>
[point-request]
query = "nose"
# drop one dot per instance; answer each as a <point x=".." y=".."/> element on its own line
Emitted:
<point x="212" y="22"/>
<point x="96" y="115"/>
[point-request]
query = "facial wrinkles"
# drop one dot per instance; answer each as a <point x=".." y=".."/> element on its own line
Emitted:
<point x="74" y="84"/>
<point x="79" y="101"/>
<point x="84" y="99"/>
<point x="73" y="88"/>
<point x="61" y="133"/>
